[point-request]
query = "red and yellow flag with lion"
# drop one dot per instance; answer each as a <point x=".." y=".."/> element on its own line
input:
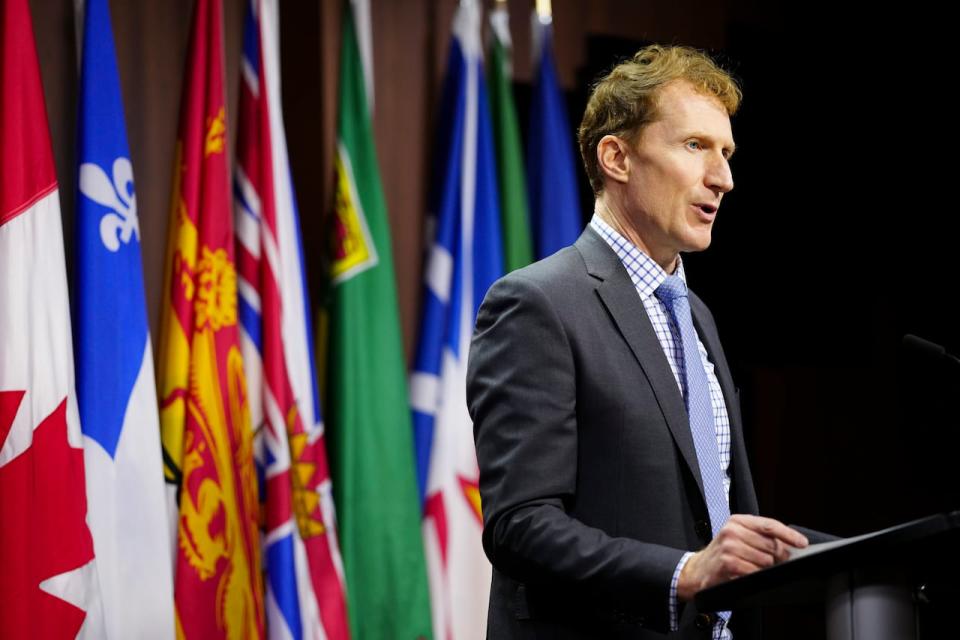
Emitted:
<point x="204" y="414"/>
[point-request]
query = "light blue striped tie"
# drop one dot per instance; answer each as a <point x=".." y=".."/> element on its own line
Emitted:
<point x="672" y="292"/>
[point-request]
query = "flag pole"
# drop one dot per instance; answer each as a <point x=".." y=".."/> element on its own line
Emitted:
<point x="544" y="11"/>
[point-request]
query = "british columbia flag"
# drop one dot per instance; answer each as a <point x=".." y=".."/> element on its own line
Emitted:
<point x="305" y="590"/>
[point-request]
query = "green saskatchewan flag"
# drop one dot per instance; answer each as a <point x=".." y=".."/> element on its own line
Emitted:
<point x="368" y="415"/>
<point x="517" y="245"/>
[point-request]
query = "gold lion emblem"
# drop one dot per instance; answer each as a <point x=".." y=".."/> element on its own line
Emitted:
<point x="216" y="294"/>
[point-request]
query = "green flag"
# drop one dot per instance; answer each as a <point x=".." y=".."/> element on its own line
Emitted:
<point x="517" y="245"/>
<point x="368" y="414"/>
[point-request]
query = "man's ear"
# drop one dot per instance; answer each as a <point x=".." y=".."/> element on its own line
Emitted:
<point x="613" y="159"/>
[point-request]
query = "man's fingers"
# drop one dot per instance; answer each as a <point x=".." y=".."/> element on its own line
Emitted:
<point x="755" y="556"/>
<point x="772" y="548"/>
<point x="781" y="551"/>
<point x="745" y="544"/>
<point x="740" y="567"/>
<point x="772" y="529"/>
<point x="720" y="568"/>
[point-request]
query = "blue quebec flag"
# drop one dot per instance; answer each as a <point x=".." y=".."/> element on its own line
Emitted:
<point x="116" y="393"/>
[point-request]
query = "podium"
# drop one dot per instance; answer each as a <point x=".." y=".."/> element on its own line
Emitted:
<point x="870" y="584"/>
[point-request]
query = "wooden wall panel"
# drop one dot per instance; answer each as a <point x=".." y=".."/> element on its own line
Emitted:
<point x="411" y="41"/>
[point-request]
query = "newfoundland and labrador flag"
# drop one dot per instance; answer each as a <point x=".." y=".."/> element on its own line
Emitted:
<point x="48" y="579"/>
<point x="204" y="410"/>
<point x="116" y="392"/>
<point x="305" y="596"/>
<point x="464" y="260"/>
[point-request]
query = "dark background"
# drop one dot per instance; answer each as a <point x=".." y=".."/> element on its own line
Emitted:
<point x="838" y="239"/>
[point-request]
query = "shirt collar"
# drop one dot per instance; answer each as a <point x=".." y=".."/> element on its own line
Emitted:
<point x="645" y="273"/>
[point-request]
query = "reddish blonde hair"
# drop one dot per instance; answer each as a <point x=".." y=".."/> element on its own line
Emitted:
<point x="625" y="100"/>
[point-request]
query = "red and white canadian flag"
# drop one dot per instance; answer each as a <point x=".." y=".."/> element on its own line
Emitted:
<point x="48" y="582"/>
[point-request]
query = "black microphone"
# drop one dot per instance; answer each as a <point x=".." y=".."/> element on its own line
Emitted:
<point x="928" y="350"/>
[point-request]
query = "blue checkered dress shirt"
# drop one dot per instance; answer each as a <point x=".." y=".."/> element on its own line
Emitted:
<point x="647" y="276"/>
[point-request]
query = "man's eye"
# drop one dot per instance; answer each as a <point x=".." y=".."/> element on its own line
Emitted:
<point x="694" y="144"/>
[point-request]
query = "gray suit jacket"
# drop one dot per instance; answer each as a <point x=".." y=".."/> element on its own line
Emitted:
<point x="589" y="481"/>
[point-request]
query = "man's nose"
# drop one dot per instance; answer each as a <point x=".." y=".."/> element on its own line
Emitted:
<point x="719" y="176"/>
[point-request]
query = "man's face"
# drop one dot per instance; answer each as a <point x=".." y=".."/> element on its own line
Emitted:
<point x="678" y="172"/>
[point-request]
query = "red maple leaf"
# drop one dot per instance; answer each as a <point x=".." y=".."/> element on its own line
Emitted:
<point x="9" y="403"/>
<point x="43" y="508"/>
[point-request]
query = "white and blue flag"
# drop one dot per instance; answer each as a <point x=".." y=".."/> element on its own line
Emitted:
<point x="116" y="393"/>
<point x="464" y="259"/>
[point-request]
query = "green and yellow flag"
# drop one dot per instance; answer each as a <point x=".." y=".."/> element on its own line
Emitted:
<point x="368" y="415"/>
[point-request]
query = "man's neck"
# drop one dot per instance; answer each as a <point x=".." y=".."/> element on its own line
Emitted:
<point x="621" y="225"/>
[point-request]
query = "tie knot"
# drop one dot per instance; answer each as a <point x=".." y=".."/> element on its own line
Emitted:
<point x="671" y="289"/>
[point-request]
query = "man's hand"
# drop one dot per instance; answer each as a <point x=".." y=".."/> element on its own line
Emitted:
<point x="745" y="544"/>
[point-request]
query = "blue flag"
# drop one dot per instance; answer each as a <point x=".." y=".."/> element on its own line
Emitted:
<point x="465" y="258"/>
<point x="551" y="163"/>
<point x="116" y="393"/>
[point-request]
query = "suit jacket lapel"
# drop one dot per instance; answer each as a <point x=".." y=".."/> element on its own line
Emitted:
<point x="619" y="296"/>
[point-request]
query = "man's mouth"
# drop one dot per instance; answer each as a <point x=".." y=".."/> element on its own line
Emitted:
<point x="707" y="212"/>
<point x="707" y="208"/>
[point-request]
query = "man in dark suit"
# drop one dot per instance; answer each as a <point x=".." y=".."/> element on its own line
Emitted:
<point x="607" y="424"/>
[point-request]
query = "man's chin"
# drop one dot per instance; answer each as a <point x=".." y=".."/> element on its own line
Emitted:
<point x="698" y="243"/>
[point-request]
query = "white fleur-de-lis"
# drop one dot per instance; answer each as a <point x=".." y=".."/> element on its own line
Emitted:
<point x="121" y="223"/>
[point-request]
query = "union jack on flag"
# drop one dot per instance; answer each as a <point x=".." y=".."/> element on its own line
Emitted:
<point x="305" y="589"/>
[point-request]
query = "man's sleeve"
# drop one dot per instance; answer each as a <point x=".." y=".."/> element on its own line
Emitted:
<point x="522" y="396"/>
<point x="674" y="603"/>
